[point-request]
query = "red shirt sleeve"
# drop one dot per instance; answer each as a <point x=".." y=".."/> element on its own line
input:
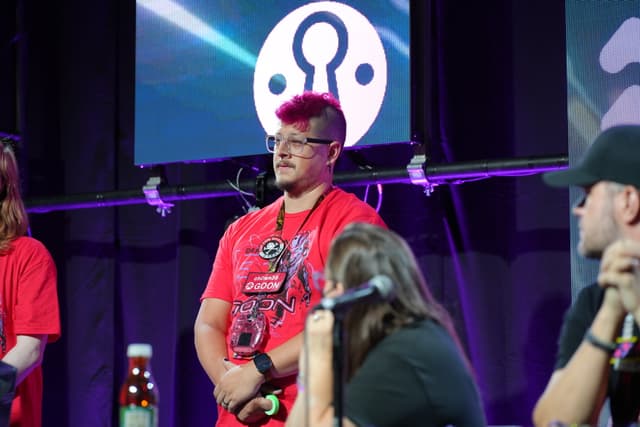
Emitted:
<point x="36" y="311"/>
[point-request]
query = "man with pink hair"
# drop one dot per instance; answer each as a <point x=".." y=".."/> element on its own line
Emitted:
<point x="248" y="333"/>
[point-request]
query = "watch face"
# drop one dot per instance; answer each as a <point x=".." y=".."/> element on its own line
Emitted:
<point x="263" y="362"/>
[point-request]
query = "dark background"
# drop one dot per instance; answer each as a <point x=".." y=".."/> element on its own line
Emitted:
<point x="489" y="83"/>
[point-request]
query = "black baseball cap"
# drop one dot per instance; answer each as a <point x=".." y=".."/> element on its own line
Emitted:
<point x="613" y="156"/>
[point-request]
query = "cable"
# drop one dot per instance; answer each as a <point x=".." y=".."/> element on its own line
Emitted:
<point x="366" y="196"/>
<point x="379" y="205"/>
<point x="237" y="185"/>
<point x="248" y="207"/>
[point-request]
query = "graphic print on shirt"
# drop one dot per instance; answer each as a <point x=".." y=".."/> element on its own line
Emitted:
<point x="293" y="265"/>
<point x="295" y="290"/>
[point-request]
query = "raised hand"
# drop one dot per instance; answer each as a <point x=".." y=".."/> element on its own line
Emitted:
<point x="620" y="269"/>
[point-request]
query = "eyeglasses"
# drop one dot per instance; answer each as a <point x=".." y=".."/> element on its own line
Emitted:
<point x="293" y="145"/>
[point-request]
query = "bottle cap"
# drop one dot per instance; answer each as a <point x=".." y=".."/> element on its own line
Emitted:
<point x="139" y="350"/>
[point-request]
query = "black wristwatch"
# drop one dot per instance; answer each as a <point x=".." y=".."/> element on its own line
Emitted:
<point x="263" y="364"/>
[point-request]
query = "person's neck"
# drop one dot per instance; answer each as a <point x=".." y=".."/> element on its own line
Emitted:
<point x="294" y="203"/>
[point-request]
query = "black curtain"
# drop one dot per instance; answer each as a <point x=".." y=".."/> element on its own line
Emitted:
<point x="491" y="85"/>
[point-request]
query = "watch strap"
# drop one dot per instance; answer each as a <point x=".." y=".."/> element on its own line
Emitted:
<point x="263" y="364"/>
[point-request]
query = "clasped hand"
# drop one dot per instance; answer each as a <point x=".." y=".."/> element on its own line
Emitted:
<point x="620" y="271"/>
<point x="238" y="384"/>
<point x="240" y="391"/>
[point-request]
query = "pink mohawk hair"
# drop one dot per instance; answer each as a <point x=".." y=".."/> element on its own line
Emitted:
<point x="301" y="108"/>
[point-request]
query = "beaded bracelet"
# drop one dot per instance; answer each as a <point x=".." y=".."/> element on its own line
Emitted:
<point x="275" y="404"/>
<point x="607" y="347"/>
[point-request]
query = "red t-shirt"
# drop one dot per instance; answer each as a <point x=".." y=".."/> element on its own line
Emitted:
<point x="244" y="249"/>
<point x="28" y="306"/>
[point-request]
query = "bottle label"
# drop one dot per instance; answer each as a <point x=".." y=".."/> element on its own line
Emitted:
<point x="136" y="416"/>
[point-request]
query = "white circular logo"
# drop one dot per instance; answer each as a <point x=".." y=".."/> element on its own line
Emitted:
<point x="326" y="47"/>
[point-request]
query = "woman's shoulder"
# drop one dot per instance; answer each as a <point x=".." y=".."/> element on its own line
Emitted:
<point x="28" y="246"/>
<point x="423" y="335"/>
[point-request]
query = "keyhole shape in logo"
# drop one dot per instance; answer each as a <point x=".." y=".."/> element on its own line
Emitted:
<point x="622" y="49"/>
<point x="326" y="47"/>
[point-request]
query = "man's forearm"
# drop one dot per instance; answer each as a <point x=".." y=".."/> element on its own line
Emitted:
<point x="212" y="350"/>
<point x="285" y="357"/>
<point x="576" y="393"/>
<point x="26" y="355"/>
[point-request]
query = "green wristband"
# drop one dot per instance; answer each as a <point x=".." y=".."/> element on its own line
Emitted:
<point x="275" y="404"/>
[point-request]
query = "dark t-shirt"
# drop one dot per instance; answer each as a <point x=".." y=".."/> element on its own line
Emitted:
<point x="414" y="377"/>
<point x="576" y="323"/>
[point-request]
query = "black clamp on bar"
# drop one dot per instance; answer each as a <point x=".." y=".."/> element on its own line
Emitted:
<point x="417" y="175"/>
<point x="152" y="193"/>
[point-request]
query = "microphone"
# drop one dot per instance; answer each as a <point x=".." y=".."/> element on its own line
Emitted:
<point x="378" y="288"/>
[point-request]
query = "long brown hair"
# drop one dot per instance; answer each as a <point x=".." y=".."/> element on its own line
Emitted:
<point x="13" y="215"/>
<point x="363" y="251"/>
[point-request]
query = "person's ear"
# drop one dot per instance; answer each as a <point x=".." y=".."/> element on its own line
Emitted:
<point x="626" y="205"/>
<point x="335" y="148"/>
<point x="631" y="206"/>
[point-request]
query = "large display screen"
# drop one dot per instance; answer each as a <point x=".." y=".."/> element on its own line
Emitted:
<point x="210" y="73"/>
<point x="603" y="80"/>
